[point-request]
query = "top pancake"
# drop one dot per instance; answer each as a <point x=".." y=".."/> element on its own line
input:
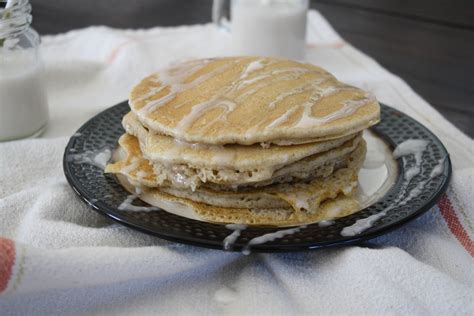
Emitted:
<point x="247" y="100"/>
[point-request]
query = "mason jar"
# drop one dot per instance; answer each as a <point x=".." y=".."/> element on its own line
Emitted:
<point x="23" y="101"/>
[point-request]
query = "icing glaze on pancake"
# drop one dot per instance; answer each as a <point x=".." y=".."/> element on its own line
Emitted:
<point x="183" y="176"/>
<point x="277" y="216"/>
<point x="301" y="200"/>
<point x="164" y="149"/>
<point x="249" y="100"/>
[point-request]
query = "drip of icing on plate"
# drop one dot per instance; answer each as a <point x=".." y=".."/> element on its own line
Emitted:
<point x="96" y="158"/>
<point x="230" y="240"/>
<point x="411" y="147"/>
<point x="326" y="223"/>
<point x="438" y="169"/>
<point x="414" y="147"/>
<point x="270" y="237"/>
<point x="127" y="205"/>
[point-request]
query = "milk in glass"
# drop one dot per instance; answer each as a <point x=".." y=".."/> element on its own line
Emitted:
<point x="269" y="28"/>
<point x="23" y="104"/>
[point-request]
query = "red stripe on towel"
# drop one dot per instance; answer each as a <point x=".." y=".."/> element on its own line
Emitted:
<point x="114" y="53"/>
<point x="7" y="259"/>
<point x="447" y="210"/>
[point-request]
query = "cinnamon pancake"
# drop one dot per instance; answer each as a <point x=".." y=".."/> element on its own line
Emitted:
<point x="182" y="175"/>
<point x="248" y="100"/>
<point x="291" y="203"/>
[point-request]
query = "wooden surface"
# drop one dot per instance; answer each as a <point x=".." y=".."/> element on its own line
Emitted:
<point x="430" y="44"/>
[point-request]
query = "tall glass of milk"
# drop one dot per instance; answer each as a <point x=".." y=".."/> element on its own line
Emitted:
<point x="265" y="27"/>
<point x="23" y="102"/>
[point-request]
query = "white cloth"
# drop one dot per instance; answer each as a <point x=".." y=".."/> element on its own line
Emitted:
<point x="57" y="256"/>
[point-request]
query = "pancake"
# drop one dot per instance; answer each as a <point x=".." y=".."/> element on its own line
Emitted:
<point x="302" y="196"/>
<point x="283" y="204"/>
<point x="339" y="206"/>
<point x="248" y="100"/>
<point x="329" y="209"/>
<point x="167" y="150"/>
<point x="183" y="176"/>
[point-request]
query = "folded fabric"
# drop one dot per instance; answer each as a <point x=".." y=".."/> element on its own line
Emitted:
<point x="57" y="256"/>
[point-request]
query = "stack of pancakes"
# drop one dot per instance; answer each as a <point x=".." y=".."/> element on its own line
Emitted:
<point x="246" y="140"/>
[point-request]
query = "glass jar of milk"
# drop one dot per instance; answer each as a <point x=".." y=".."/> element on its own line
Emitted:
<point x="23" y="103"/>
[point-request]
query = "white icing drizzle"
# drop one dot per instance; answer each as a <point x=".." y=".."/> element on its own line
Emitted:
<point x="128" y="206"/>
<point x="182" y="143"/>
<point x="438" y="169"/>
<point x="132" y="166"/>
<point x="270" y="237"/>
<point x="221" y="156"/>
<point x="414" y="147"/>
<point x="349" y="188"/>
<point x="294" y="70"/>
<point x="280" y="120"/>
<point x="334" y="211"/>
<point x="253" y="66"/>
<point x="284" y="95"/>
<point x="95" y="158"/>
<point x="198" y="109"/>
<point x="362" y="224"/>
<point x="173" y="80"/>
<point x="151" y="93"/>
<point x="289" y="74"/>
<point x="326" y="223"/>
<point x="302" y="202"/>
<point x="179" y="105"/>
<point x="230" y="240"/>
<point x="307" y="119"/>
<point x="294" y="73"/>
<point x="174" y="77"/>
<point x="348" y="107"/>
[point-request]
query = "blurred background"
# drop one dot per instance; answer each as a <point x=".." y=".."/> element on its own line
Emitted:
<point x="430" y="44"/>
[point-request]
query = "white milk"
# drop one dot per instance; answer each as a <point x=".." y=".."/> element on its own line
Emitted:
<point x="269" y="28"/>
<point x="23" y="103"/>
